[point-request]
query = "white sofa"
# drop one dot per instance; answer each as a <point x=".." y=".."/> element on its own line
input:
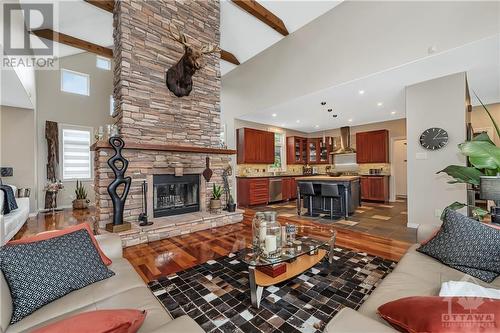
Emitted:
<point x="12" y="222"/>
<point x="415" y="275"/>
<point x="125" y="290"/>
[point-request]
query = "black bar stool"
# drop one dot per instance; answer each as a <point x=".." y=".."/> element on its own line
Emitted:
<point x="307" y="190"/>
<point x="331" y="191"/>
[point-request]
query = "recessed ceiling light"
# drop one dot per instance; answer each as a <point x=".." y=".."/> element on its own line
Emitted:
<point x="330" y="110"/>
<point x="298" y="121"/>
<point x="349" y="120"/>
<point x="361" y="92"/>
<point x="317" y="126"/>
<point x="334" y="115"/>
<point x="282" y="125"/>
<point x="274" y="115"/>
<point x="393" y="112"/>
<point x="380" y="104"/>
<point x="323" y="103"/>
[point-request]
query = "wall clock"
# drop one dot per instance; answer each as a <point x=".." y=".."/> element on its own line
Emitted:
<point x="434" y="138"/>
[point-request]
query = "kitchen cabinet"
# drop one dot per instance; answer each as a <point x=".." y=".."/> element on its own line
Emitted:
<point x="252" y="191"/>
<point x="318" y="151"/>
<point x="372" y="147"/>
<point x="254" y="146"/>
<point x="289" y="188"/>
<point x="375" y="188"/>
<point x="296" y="150"/>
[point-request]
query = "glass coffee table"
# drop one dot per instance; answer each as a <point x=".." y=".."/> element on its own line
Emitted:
<point x="297" y="257"/>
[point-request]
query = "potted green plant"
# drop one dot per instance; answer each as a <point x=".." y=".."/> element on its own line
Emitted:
<point x="81" y="201"/>
<point x="484" y="157"/>
<point x="231" y="205"/>
<point x="215" y="202"/>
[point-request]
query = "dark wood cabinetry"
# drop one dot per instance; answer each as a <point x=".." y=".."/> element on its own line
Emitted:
<point x="252" y="191"/>
<point x="372" y="147"/>
<point x="375" y="188"/>
<point x="308" y="151"/>
<point x="296" y="150"/>
<point x="289" y="187"/>
<point x="254" y="146"/>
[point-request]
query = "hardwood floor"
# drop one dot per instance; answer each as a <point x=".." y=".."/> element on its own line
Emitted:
<point x="171" y="255"/>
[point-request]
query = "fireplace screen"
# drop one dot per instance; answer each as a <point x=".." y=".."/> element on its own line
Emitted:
<point x="175" y="195"/>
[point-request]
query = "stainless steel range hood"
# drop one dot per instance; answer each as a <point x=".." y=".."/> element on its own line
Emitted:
<point x="345" y="142"/>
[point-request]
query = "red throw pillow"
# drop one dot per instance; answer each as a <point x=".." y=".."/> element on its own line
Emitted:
<point x="56" y="233"/>
<point x="100" y="321"/>
<point x="436" y="314"/>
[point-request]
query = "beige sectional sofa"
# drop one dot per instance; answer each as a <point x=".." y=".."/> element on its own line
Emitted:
<point x="125" y="290"/>
<point x="415" y="275"/>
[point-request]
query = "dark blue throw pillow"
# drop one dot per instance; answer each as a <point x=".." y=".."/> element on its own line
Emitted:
<point x="466" y="245"/>
<point x="41" y="272"/>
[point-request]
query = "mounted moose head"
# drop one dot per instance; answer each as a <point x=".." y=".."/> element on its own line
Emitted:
<point x="179" y="76"/>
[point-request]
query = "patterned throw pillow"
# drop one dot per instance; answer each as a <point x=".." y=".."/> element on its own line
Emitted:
<point x="466" y="245"/>
<point x="41" y="272"/>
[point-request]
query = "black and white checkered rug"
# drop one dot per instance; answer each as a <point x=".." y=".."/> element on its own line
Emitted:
<point x="216" y="294"/>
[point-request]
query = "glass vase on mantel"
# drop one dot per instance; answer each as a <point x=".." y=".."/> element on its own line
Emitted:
<point x="270" y="237"/>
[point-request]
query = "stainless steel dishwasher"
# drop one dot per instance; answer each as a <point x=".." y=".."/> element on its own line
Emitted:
<point x="275" y="189"/>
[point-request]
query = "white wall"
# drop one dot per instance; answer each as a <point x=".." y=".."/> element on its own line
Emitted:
<point x="480" y="120"/>
<point x="435" y="103"/>
<point x="17" y="141"/>
<point x="72" y="109"/>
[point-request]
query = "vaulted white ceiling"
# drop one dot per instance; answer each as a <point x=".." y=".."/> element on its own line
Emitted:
<point x="245" y="36"/>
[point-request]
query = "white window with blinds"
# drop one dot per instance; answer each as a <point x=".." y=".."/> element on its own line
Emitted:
<point x="76" y="158"/>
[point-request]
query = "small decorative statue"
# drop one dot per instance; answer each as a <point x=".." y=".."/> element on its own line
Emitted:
<point x="179" y="76"/>
<point x="53" y="187"/>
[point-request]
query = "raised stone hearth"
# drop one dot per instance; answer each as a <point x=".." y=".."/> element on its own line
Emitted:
<point x="171" y="226"/>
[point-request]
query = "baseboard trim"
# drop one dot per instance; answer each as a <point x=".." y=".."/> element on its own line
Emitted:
<point x="412" y="225"/>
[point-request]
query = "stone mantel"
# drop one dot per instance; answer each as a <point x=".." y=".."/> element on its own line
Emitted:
<point x="164" y="147"/>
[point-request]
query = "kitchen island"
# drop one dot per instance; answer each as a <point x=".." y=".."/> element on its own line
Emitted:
<point x="349" y="190"/>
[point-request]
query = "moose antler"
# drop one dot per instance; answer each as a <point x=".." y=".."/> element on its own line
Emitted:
<point x="178" y="35"/>
<point x="210" y="48"/>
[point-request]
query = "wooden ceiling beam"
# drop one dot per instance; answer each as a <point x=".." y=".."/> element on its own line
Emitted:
<point x="261" y="13"/>
<point x="74" y="42"/>
<point x="229" y="57"/>
<point x="107" y="5"/>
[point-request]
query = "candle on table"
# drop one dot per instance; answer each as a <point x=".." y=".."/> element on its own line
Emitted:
<point x="270" y="243"/>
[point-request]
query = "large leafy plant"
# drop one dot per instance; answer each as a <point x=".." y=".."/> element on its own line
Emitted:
<point x="484" y="156"/>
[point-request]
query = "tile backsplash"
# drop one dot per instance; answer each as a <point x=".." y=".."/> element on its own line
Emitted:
<point x="364" y="169"/>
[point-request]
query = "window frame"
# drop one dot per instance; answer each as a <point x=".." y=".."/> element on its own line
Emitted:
<point x="87" y="76"/>
<point x="62" y="127"/>
<point x="282" y="145"/>
<point x="108" y="60"/>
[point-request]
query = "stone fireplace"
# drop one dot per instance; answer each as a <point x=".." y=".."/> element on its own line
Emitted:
<point x="164" y="134"/>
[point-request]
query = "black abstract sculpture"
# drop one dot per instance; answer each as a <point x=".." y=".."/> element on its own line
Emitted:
<point x="118" y="199"/>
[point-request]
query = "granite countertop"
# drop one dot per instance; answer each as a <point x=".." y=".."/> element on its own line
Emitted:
<point x="328" y="178"/>
<point x="271" y="176"/>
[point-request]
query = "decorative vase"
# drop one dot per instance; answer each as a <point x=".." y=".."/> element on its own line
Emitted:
<point x="231" y="207"/>
<point x="81" y="204"/>
<point x="256" y="225"/>
<point x="270" y="237"/>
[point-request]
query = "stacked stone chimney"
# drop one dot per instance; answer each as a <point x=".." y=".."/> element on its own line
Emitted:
<point x="146" y="111"/>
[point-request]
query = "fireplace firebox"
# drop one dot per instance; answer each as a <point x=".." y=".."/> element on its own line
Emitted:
<point x="173" y="195"/>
